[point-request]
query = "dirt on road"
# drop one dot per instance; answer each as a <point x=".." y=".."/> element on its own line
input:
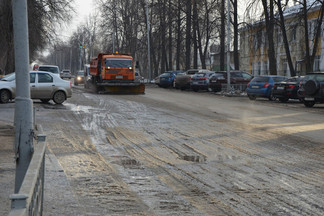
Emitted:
<point x="181" y="153"/>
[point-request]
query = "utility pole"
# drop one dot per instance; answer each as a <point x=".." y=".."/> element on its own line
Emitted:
<point x="228" y="48"/>
<point x="23" y="104"/>
<point x="148" y="44"/>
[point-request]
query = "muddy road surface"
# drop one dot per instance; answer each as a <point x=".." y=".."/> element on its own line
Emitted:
<point x="171" y="152"/>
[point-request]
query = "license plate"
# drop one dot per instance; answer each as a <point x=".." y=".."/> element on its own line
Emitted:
<point x="280" y="88"/>
<point x="213" y="81"/>
<point x="255" y="87"/>
<point x="195" y="83"/>
<point x="309" y="99"/>
<point x="119" y="77"/>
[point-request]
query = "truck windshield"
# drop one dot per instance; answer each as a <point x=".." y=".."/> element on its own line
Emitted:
<point x="118" y="63"/>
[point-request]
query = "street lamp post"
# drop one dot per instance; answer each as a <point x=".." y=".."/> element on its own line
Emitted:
<point x="228" y="48"/>
<point x="148" y="44"/>
<point x="24" y="129"/>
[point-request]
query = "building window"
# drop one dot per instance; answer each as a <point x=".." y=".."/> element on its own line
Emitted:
<point x="285" y="69"/>
<point x="279" y="36"/>
<point x="294" y="33"/>
<point x="317" y="62"/>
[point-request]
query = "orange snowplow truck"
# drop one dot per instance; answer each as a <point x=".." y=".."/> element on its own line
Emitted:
<point x="115" y="73"/>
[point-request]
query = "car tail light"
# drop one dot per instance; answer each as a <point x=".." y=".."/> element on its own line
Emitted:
<point x="291" y="86"/>
<point x="266" y="85"/>
<point x="248" y="85"/>
<point x="274" y="86"/>
<point x="203" y="78"/>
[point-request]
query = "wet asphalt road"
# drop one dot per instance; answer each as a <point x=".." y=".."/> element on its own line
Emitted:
<point x="171" y="152"/>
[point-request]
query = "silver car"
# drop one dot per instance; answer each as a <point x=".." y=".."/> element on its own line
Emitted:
<point x="45" y="86"/>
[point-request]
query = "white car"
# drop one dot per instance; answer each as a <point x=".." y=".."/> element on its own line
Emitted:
<point x="50" y="68"/>
<point x="45" y="86"/>
<point x="66" y="74"/>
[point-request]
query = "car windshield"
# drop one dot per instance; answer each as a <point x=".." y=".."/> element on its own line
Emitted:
<point x="49" y="69"/>
<point x="260" y="79"/>
<point x="9" y="77"/>
<point x="191" y="72"/>
<point x="80" y="73"/>
<point x="317" y="77"/>
<point x="200" y="75"/>
<point x="118" y="62"/>
<point x="278" y="79"/>
<point x="166" y="74"/>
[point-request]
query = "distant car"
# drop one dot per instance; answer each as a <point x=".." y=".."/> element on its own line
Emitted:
<point x="182" y="80"/>
<point x="157" y="80"/>
<point x="79" y="78"/>
<point x="66" y="74"/>
<point x="286" y="89"/>
<point x="238" y="79"/>
<point x="167" y="78"/>
<point x="200" y="80"/>
<point x="311" y="89"/>
<point x="43" y="85"/>
<point x="50" y="68"/>
<point x="261" y="86"/>
<point x="138" y="77"/>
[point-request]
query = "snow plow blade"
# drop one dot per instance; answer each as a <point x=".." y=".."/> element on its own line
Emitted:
<point x="122" y="89"/>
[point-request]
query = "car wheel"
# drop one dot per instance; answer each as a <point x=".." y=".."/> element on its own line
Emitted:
<point x="4" y="96"/>
<point x="59" y="97"/>
<point x="45" y="100"/>
<point x="283" y="99"/>
<point x="272" y="97"/>
<point x="195" y="89"/>
<point x="309" y="103"/>
<point x="251" y="97"/>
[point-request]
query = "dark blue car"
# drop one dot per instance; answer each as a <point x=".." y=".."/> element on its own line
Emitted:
<point x="261" y="86"/>
<point x="167" y="78"/>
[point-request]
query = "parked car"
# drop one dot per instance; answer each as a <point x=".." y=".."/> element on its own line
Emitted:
<point x="200" y="80"/>
<point x="238" y="79"/>
<point x="43" y="85"/>
<point x="311" y="89"/>
<point x="167" y="78"/>
<point x="287" y="89"/>
<point x="79" y="78"/>
<point x="182" y="80"/>
<point x="50" y="68"/>
<point x="66" y="74"/>
<point x="261" y="86"/>
<point x="157" y="80"/>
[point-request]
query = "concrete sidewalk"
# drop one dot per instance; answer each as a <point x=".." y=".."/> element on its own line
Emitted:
<point x="58" y="195"/>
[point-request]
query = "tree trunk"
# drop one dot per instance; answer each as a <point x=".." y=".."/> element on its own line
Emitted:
<point x="235" y="25"/>
<point x="188" y="34"/>
<point x="170" y="35"/>
<point x="222" y="37"/>
<point x="285" y="40"/>
<point x="178" y="35"/>
<point x="195" y="26"/>
<point x="269" y="18"/>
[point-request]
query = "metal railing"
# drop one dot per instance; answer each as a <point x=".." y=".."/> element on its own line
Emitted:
<point x="29" y="199"/>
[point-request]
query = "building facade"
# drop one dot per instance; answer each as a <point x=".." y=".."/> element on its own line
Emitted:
<point x="254" y="44"/>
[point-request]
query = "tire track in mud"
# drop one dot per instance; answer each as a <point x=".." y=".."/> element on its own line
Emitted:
<point x="245" y="171"/>
<point x="256" y="151"/>
<point x="96" y="185"/>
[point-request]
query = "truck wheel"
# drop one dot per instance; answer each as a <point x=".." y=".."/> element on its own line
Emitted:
<point x="4" y="96"/>
<point x="59" y="97"/>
